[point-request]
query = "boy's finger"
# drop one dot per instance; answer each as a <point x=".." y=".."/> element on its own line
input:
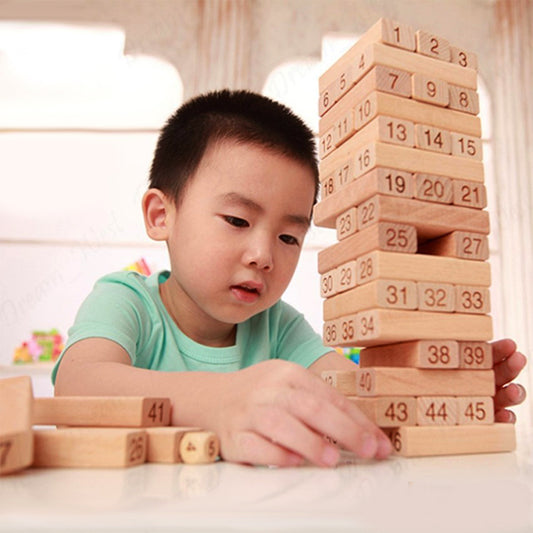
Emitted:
<point x="508" y="396"/>
<point x="502" y="349"/>
<point x="508" y="369"/>
<point x="505" y="416"/>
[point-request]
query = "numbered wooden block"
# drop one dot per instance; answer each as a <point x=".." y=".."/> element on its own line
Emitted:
<point x="438" y="297"/>
<point x="396" y="131"/>
<point x="341" y="330"/>
<point x="472" y="299"/>
<point x="463" y="57"/>
<point x="430" y="90"/>
<point x="341" y="175"/>
<point x="16" y="437"/>
<point x="383" y="326"/>
<point x="388" y="411"/>
<point x="420" y="441"/>
<point x="89" y="447"/>
<point x="420" y="382"/>
<point x="114" y="411"/>
<point x="345" y="277"/>
<point x="433" y="188"/>
<point x="469" y="194"/>
<point x="327" y="143"/>
<point x="381" y="236"/>
<point x="379" y="264"/>
<point x="330" y="333"/>
<point x="433" y="139"/>
<point x="416" y="354"/>
<point x="382" y="293"/>
<point x="466" y="146"/>
<point x="436" y="411"/>
<point x="463" y="99"/>
<point x="164" y="443"/>
<point x="474" y="410"/>
<point x="341" y="380"/>
<point x="327" y="284"/>
<point x="392" y="80"/>
<point x="463" y="244"/>
<point x="346" y="223"/>
<point x="432" y="45"/>
<point x="475" y="355"/>
<point x="199" y="447"/>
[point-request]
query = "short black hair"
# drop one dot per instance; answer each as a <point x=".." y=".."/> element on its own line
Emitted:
<point x="242" y="116"/>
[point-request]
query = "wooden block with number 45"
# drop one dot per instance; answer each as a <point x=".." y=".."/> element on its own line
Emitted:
<point x="16" y="437"/>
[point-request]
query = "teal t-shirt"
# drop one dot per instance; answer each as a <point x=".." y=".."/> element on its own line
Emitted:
<point x="126" y="307"/>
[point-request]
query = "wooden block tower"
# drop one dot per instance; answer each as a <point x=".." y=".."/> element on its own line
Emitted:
<point x="408" y="280"/>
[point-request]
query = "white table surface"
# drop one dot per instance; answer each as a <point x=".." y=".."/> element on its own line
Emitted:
<point x="478" y="493"/>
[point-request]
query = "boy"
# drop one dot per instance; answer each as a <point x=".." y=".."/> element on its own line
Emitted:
<point x="232" y="187"/>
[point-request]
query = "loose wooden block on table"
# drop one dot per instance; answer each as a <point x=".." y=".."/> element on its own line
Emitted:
<point x="381" y="236"/>
<point x="463" y="244"/>
<point x="416" y="354"/>
<point x="383" y="326"/>
<point x="419" y="441"/>
<point x="199" y="447"/>
<point x="436" y="411"/>
<point x="475" y="355"/>
<point x="164" y="443"/>
<point x="388" y="411"/>
<point x="114" y="411"/>
<point x="384" y="381"/>
<point x="90" y="447"/>
<point x="16" y="437"/>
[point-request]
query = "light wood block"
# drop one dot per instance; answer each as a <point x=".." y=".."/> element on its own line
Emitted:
<point x="383" y="326"/>
<point x="475" y="355"/>
<point x="346" y="277"/>
<point x="463" y="57"/>
<point x="433" y="188"/>
<point x="341" y="330"/>
<point x="199" y="447"/>
<point x="388" y="411"/>
<point x="475" y="410"/>
<point x="469" y="194"/>
<point x="418" y="441"/>
<point x="344" y="73"/>
<point x="383" y="381"/>
<point x="381" y="236"/>
<point x="463" y="99"/>
<point x="164" y="443"/>
<point x="430" y="89"/>
<point x="432" y="45"/>
<point x="382" y="293"/>
<point x="463" y="244"/>
<point x="346" y="223"/>
<point x="327" y="284"/>
<point x="433" y="139"/>
<point x="438" y="297"/>
<point x="472" y="299"/>
<point x="436" y="411"/>
<point x="379" y="264"/>
<point x="90" y="447"/>
<point x="16" y="437"/>
<point x="466" y="146"/>
<point x="343" y="381"/>
<point x="416" y="354"/>
<point x="110" y="411"/>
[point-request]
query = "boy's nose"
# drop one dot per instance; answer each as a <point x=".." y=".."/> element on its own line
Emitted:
<point x="259" y="255"/>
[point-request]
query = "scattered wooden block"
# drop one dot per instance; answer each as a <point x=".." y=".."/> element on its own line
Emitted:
<point x="381" y="236"/>
<point x="463" y="99"/>
<point x="466" y="245"/>
<point x="436" y="411"/>
<point x="432" y="45"/>
<point x="110" y="411"/>
<point x="416" y="354"/>
<point x="438" y="297"/>
<point x="433" y="139"/>
<point x="469" y="194"/>
<point x="199" y="447"/>
<point x="466" y="146"/>
<point x="475" y="410"/>
<point x="379" y="264"/>
<point x="418" y="441"/>
<point x="16" y="437"/>
<point x="164" y="443"/>
<point x="430" y="89"/>
<point x="388" y="411"/>
<point x="343" y="381"/>
<point x="475" y="355"/>
<point x="383" y="381"/>
<point x="463" y="57"/>
<point x="89" y="447"/>
<point x="433" y="188"/>
<point x="472" y="299"/>
<point x="384" y="326"/>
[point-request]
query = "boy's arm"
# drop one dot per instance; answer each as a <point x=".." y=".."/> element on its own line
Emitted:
<point x="274" y="413"/>
<point x="508" y="363"/>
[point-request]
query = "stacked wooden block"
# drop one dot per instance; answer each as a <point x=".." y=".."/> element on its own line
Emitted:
<point x="402" y="182"/>
<point x="95" y="432"/>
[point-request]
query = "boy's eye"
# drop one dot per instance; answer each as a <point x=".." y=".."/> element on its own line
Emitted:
<point x="236" y="221"/>
<point x="289" y="239"/>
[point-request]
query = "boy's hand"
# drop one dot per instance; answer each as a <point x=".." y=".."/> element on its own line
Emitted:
<point x="277" y="413"/>
<point x="508" y="363"/>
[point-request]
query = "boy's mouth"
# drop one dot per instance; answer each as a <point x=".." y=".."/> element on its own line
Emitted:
<point x="247" y="292"/>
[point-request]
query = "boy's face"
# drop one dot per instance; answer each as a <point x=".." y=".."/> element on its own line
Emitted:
<point x="235" y="238"/>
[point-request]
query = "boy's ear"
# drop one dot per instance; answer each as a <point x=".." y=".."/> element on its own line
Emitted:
<point x="156" y="210"/>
